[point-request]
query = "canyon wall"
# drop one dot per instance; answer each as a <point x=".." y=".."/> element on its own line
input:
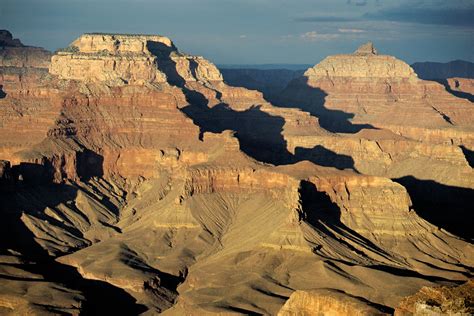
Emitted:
<point x="134" y="176"/>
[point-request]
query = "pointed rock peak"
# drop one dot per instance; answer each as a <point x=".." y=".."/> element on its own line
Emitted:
<point x="366" y="49"/>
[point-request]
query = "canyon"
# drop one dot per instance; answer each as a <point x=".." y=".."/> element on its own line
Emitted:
<point x="134" y="179"/>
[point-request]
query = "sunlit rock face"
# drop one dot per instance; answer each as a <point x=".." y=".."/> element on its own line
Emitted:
<point x="365" y="88"/>
<point x="122" y="59"/>
<point x="442" y="300"/>
<point x="326" y="302"/>
<point x="133" y="179"/>
<point x="365" y="62"/>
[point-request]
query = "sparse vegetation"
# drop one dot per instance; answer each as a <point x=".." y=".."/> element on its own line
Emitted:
<point x="69" y="49"/>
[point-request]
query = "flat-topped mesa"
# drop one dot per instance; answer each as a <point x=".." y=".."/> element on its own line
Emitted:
<point x="129" y="59"/>
<point x="363" y="63"/>
<point x="117" y="44"/>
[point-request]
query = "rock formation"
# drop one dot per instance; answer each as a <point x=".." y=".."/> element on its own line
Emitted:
<point x="117" y="59"/>
<point x="7" y="40"/>
<point x="445" y="300"/>
<point x="380" y="89"/>
<point x="14" y="54"/>
<point x="325" y="302"/>
<point x="141" y="182"/>
<point x="390" y="123"/>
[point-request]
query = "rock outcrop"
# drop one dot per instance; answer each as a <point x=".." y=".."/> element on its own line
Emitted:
<point x="326" y="302"/>
<point x="445" y="300"/>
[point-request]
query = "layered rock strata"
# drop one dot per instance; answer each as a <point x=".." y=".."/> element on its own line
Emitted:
<point x="138" y="178"/>
<point x="350" y="92"/>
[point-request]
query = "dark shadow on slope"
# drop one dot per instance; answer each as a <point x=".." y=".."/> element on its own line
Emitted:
<point x="270" y="82"/>
<point x="31" y="173"/>
<point x="325" y="157"/>
<point x="299" y="94"/>
<point x="321" y="212"/>
<point x="382" y="308"/>
<point x="447" y="207"/>
<point x="29" y="197"/>
<point x="2" y="93"/>
<point x="161" y="279"/>
<point x="259" y="133"/>
<point x="411" y="273"/>
<point x="89" y="164"/>
<point x="168" y="66"/>
<point x="469" y="155"/>
<point x="459" y="94"/>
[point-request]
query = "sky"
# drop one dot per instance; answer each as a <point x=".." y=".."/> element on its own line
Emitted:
<point x="258" y="31"/>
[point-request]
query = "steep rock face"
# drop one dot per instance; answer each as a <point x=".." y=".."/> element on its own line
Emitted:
<point x="110" y="58"/>
<point x="24" y="95"/>
<point x="325" y="302"/>
<point x="119" y="59"/>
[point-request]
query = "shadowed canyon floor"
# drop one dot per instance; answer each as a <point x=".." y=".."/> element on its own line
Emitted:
<point x="134" y="180"/>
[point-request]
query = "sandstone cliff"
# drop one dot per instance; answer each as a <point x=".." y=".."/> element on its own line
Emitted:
<point x="119" y="59"/>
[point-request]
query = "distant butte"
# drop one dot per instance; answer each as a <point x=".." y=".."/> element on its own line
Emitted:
<point x="7" y="40"/>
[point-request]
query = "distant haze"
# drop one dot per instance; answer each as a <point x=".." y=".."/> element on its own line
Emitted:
<point x="258" y="31"/>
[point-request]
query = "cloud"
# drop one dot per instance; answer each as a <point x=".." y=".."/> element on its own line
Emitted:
<point x="359" y="3"/>
<point x="351" y="31"/>
<point x="315" y="36"/>
<point x="417" y="13"/>
<point x="243" y="36"/>
<point x="321" y="18"/>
